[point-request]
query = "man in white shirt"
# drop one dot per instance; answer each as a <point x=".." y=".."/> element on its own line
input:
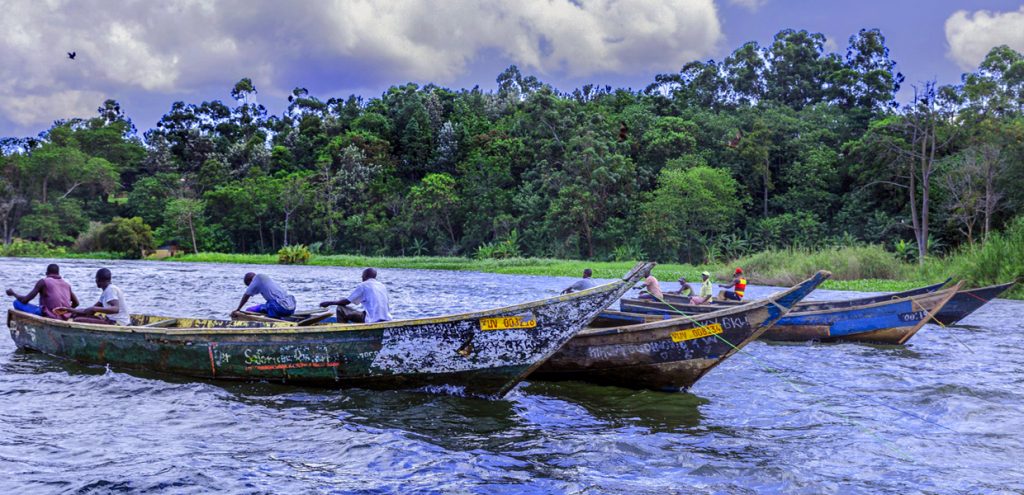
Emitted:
<point x="111" y="309"/>
<point x="372" y="294"/>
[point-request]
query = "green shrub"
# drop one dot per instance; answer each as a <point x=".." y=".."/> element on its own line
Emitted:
<point x="905" y="251"/>
<point x="297" y="254"/>
<point x="129" y="236"/>
<point x="88" y="240"/>
<point x="504" y="249"/>
<point x="999" y="259"/>
<point x="628" y="252"/>
<point x="790" y="229"/>
<point x="31" y="249"/>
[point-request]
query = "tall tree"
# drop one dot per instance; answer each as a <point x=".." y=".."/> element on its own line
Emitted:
<point x="186" y="214"/>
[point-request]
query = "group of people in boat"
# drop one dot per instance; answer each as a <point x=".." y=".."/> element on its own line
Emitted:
<point x="58" y="301"/>
<point x="371" y="293"/>
<point x="651" y="289"/>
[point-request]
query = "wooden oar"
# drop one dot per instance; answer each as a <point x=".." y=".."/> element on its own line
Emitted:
<point x="162" y="323"/>
<point x="317" y="318"/>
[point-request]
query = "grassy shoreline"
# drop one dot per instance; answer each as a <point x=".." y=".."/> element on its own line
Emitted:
<point x="666" y="272"/>
<point x="852" y="270"/>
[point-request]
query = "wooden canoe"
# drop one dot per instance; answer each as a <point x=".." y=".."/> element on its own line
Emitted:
<point x="484" y="353"/>
<point x="668" y="354"/>
<point x="887" y="322"/>
<point x="683" y="302"/>
<point x="968" y="301"/>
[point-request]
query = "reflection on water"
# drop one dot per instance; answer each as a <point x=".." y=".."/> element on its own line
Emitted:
<point x="838" y="421"/>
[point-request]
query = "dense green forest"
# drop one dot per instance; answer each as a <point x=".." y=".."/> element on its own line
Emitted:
<point x="774" y="146"/>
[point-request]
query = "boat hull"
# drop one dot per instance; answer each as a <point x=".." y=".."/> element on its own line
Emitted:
<point x="966" y="302"/>
<point x="888" y="322"/>
<point x="669" y="354"/>
<point x="683" y="302"/>
<point x="470" y="352"/>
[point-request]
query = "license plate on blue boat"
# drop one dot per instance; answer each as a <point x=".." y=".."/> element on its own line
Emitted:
<point x="696" y="333"/>
<point x="508" y="322"/>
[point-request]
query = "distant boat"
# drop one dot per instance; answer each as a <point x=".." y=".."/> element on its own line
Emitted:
<point x="670" y="351"/>
<point x="968" y="301"/>
<point x="963" y="303"/>
<point x="892" y="321"/>
<point x="482" y="353"/>
<point x="683" y="301"/>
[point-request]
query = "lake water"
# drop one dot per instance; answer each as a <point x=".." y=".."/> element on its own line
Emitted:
<point x="943" y="414"/>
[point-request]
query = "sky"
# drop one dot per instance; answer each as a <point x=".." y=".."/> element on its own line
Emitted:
<point x="148" y="54"/>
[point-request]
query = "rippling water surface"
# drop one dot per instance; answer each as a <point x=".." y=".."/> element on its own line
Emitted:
<point x="943" y="414"/>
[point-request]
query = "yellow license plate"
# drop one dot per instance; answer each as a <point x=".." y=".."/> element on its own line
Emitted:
<point x="696" y="333"/>
<point x="507" y="322"/>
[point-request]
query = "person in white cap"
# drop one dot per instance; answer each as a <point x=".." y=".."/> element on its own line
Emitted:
<point x="705" y="290"/>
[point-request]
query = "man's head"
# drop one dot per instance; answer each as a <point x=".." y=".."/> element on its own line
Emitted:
<point x="587" y="273"/>
<point x="102" y="278"/>
<point x="739" y="271"/>
<point x="248" y="278"/>
<point x="705" y="275"/>
<point x="52" y="269"/>
<point x="682" y="280"/>
<point x="369" y="273"/>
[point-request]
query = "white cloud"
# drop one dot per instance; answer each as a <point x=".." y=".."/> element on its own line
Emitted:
<point x="28" y="110"/>
<point x="830" y="45"/>
<point x="972" y="35"/>
<point x="178" y="47"/>
<point x="751" y="5"/>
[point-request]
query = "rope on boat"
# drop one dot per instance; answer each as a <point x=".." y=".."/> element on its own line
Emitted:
<point x="795" y="387"/>
<point x="782" y="308"/>
<point x="931" y="316"/>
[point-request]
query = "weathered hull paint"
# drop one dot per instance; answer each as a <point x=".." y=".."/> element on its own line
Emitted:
<point x="966" y="302"/>
<point x="646" y="356"/>
<point x="887" y="322"/>
<point x="450" y="350"/>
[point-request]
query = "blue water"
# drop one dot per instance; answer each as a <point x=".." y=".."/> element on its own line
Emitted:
<point x="942" y="414"/>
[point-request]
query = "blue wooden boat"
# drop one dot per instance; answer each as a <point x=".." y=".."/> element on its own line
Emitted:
<point x="891" y="321"/>
<point x="667" y="353"/>
<point x="683" y="302"/>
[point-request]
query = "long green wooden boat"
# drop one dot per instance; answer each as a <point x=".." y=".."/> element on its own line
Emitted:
<point x="484" y="353"/>
<point x="668" y="354"/>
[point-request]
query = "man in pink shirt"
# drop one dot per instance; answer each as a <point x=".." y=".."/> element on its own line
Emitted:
<point x="651" y="289"/>
<point x="53" y="291"/>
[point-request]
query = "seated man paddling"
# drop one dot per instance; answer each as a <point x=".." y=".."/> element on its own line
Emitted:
<point x="684" y="288"/>
<point x="738" y="286"/>
<point x="705" y="290"/>
<point x="651" y="289"/>
<point x="279" y="303"/>
<point x="583" y="284"/>
<point x="372" y="294"/>
<point x="53" y="291"/>
<point x="111" y="309"/>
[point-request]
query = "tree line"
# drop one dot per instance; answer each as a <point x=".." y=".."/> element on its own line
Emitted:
<point x="774" y="146"/>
